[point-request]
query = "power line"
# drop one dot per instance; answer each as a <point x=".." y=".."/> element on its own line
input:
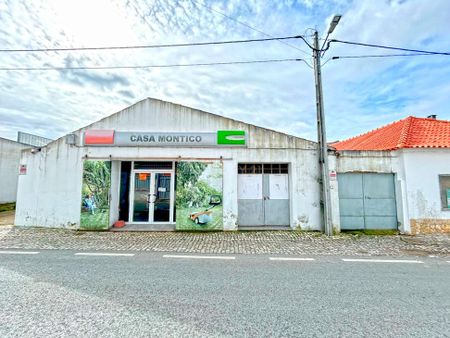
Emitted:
<point x="389" y="47"/>
<point x="150" y="46"/>
<point x="380" y="56"/>
<point x="248" y="26"/>
<point x="147" y="66"/>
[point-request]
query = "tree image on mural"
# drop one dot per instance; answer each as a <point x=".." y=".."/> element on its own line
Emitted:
<point x="199" y="196"/>
<point x="95" y="195"/>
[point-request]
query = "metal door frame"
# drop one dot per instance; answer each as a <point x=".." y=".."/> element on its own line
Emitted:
<point x="151" y="210"/>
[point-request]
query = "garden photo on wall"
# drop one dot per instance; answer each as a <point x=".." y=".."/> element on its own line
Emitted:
<point x="95" y="195"/>
<point x="199" y="196"/>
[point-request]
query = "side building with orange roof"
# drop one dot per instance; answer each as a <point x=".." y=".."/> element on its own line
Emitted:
<point x="395" y="177"/>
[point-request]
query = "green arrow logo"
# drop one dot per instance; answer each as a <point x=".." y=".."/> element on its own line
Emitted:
<point x="233" y="137"/>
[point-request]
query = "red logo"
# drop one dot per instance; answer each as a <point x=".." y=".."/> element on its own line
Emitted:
<point x="99" y="137"/>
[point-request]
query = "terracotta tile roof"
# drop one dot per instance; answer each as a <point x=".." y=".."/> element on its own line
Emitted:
<point x="411" y="132"/>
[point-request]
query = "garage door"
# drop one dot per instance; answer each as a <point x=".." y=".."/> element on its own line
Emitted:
<point x="367" y="201"/>
<point x="263" y="194"/>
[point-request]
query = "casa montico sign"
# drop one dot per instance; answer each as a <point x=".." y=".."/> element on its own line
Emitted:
<point x="114" y="138"/>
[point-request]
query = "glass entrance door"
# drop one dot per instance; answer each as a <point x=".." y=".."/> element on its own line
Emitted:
<point x="161" y="197"/>
<point x="152" y="197"/>
<point x="141" y="197"/>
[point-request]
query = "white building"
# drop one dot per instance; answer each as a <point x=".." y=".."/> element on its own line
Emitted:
<point x="164" y="167"/>
<point x="397" y="175"/>
<point x="269" y="179"/>
<point x="10" y="152"/>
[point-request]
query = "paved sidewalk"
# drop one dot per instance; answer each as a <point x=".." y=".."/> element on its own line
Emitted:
<point x="261" y="242"/>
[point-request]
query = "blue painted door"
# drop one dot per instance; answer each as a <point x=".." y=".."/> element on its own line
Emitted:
<point x="367" y="201"/>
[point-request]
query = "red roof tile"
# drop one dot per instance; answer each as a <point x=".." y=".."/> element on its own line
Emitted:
<point x="411" y="132"/>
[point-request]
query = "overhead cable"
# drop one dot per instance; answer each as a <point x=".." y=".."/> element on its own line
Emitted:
<point x="247" y="25"/>
<point x="147" y="66"/>
<point x="62" y="49"/>
<point x="389" y="47"/>
<point x="380" y="56"/>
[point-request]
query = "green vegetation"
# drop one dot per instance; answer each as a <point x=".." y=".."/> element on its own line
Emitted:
<point x="7" y="207"/>
<point x="96" y="184"/>
<point x="194" y="194"/>
<point x="185" y="223"/>
<point x="97" y="221"/>
<point x="96" y="181"/>
<point x="386" y="232"/>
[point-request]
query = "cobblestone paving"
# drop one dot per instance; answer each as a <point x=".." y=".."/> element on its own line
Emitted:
<point x="261" y="242"/>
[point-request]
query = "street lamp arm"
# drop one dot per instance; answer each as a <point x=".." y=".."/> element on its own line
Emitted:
<point x="324" y="50"/>
<point x="324" y="42"/>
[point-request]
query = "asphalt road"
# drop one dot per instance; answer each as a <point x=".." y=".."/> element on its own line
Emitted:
<point x="58" y="293"/>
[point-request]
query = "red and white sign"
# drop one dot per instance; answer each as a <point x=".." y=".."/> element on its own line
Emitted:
<point x="333" y="175"/>
<point x="23" y="169"/>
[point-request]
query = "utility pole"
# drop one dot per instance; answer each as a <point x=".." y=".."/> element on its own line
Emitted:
<point x="322" y="137"/>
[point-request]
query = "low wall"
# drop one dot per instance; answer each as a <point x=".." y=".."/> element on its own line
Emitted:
<point x="430" y="226"/>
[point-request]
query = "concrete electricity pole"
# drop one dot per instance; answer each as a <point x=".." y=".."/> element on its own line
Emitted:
<point x="321" y="132"/>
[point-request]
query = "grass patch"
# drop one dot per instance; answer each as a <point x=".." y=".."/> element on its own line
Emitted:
<point x="385" y="232"/>
<point x="7" y="207"/>
<point x="97" y="221"/>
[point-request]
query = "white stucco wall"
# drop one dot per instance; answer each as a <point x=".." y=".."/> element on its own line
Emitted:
<point x="50" y="193"/>
<point x="422" y="169"/>
<point x="366" y="161"/>
<point x="10" y="152"/>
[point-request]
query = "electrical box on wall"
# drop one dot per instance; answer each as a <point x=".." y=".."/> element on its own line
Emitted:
<point x="71" y="139"/>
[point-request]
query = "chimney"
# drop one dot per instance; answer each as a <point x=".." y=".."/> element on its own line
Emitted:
<point x="433" y="116"/>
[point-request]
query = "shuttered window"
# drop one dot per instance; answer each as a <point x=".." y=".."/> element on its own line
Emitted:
<point x="263" y="168"/>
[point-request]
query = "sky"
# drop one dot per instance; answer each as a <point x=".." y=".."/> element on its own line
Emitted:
<point x="359" y="94"/>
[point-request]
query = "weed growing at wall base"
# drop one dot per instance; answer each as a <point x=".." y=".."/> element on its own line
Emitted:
<point x="97" y="221"/>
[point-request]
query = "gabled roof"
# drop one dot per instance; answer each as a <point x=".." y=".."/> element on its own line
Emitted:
<point x="154" y="106"/>
<point x="2" y="139"/>
<point x="411" y="132"/>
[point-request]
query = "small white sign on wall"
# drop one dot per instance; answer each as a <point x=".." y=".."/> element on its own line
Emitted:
<point x="249" y="186"/>
<point x="279" y="186"/>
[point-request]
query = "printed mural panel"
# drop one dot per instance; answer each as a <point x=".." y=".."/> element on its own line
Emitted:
<point x="199" y="196"/>
<point x="95" y="195"/>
